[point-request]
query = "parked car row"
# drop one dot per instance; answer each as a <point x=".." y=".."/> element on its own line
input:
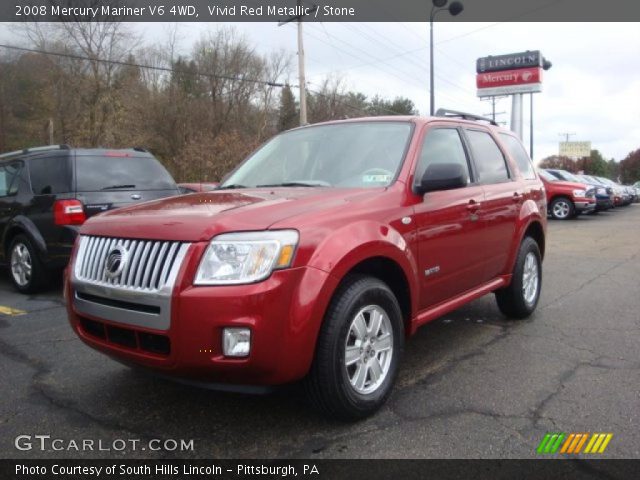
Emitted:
<point x="569" y="195"/>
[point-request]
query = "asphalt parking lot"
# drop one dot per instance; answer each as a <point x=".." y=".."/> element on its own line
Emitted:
<point x="472" y="385"/>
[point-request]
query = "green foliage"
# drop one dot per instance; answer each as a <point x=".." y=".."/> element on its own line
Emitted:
<point x="630" y="168"/>
<point x="560" y="162"/>
<point x="288" y="115"/>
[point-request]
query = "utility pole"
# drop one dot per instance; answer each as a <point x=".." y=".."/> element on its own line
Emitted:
<point x="493" y="99"/>
<point x="50" y="128"/>
<point x="566" y="135"/>
<point x="301" y="73"/>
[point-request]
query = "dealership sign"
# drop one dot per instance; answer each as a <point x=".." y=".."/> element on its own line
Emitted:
<point x="507" y="62"/>
<point x="509" y="74"/>
<point x="575" y="149"/>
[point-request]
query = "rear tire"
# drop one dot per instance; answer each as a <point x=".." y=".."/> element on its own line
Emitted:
<point x="358" y="350"/>
<point x="28" y="274"/>
<point x="520" y="298"/>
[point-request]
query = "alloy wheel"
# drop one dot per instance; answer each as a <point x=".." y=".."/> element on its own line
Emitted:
<point x="21" y="264"/>
<point x="369" y="349"/>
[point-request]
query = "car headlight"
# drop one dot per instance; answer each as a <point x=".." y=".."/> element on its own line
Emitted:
<point x="579" y="193"/>
<point x="246" y="257"/>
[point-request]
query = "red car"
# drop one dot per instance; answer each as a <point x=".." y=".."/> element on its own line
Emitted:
<point x="567" y="199"/>
<point x="316" y="258"/>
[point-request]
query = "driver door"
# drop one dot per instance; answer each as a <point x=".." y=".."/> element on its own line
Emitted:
<point x="449" y="225"/>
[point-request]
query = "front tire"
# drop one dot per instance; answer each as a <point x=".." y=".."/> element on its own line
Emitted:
<point x="28" y="274"/>
<point x="562" y="208"/>
<point x="358" y="350"/>
<point x="520" y="298"/>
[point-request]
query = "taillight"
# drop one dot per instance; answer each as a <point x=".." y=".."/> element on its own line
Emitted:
<point x="68" y="212"/>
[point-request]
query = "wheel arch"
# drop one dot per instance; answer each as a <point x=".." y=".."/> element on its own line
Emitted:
<point x="23" y="225"/>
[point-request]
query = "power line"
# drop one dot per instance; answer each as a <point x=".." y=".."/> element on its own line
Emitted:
<point x="139" y="65"/>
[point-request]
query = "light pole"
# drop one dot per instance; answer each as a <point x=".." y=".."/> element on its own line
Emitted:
<point x="454" y="8"/>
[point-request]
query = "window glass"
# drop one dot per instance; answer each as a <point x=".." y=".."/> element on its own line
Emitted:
<point x="518" y="153"/>
<point x="110" y="172"/>
<point x="358" y="154"/>
<point x="488" y="157"/>
<point x="441" y="145"/>
<point x="49" y="175"/>
<point x="9" y="178"/>
<point x="547" y="176"/>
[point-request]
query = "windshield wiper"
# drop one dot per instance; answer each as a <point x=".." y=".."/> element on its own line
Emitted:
<point x="232" y="186"/>
<point x="118" y="186"/>
<point x="297" y="184"/>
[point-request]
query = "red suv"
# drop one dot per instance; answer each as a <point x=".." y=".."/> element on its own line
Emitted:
<point x="567" y="199"/>
<point x="316" y="258"/>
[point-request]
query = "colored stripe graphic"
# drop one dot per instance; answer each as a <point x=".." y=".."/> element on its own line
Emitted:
<point x="572" y="443"/>
<point x="551" y="442"/>
<point x="598" y="443"/>
<point x="543" y="443"/>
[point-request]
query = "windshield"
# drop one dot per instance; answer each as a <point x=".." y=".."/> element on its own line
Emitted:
<point x="97" y="173"/>
<point x="547" y="176"/>
<point x="362" y="154"/>
<point x="568" y="176"/>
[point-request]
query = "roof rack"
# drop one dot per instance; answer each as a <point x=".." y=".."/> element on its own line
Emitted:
<point x="34" y="150"/>
<point x="443" y="112"/>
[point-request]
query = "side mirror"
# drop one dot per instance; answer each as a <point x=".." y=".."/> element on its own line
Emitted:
<point x="442" y="176"/>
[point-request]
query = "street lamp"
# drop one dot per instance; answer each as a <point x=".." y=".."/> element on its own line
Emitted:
<point x="454" y="8"/>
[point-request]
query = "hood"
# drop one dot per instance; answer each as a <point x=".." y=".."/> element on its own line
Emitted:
<point x="200" y="216"/>
<point x="572" y="185"/>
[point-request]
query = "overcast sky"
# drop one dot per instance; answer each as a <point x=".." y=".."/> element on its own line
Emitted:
<point x="592" y="90"/>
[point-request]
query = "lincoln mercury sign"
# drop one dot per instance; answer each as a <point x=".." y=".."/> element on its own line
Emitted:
<point x="509" y="74"/>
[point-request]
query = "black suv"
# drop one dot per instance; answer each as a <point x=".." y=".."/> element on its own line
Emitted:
<point x="46" y="193"/>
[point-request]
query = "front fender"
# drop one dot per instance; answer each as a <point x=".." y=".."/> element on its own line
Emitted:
<point x="352" y="244"/>
<point x="333" y="258"/>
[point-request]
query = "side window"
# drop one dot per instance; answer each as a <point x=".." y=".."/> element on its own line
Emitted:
<point x="490" y="162"/>
<point x="9" y="178"/>
<point x="441" y="145"/>
<point x="518" y="153"/>
<point x="49" y="175"/>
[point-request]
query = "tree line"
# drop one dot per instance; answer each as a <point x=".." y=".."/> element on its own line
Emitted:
<point x="200" y="113"/>
<point x="627" y="171"/>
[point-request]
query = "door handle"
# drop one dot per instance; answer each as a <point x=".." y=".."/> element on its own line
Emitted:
<point x="517" y="197"/>
<point x="473" y="206"/>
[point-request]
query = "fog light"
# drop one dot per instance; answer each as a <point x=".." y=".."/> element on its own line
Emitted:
<point x="236" y="342"/>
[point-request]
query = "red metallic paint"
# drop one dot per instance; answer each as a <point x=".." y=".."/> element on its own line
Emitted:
<point x="339" y="228"/>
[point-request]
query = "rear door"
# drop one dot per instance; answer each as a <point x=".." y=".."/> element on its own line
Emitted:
<point x="448" y="223"/>
<point x="503" y="196"/>
<point x="108" y="180"/>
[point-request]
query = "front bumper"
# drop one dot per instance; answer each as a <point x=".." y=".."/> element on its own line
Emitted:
<point x="585" y="205"/>
<point x="284" y="313"/>
<point x="603" y="203"/>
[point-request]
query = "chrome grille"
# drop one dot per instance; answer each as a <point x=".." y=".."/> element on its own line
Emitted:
<point x="150" y="265"/>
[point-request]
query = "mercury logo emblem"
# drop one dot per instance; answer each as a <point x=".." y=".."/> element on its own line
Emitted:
<point x="116" y="261"/>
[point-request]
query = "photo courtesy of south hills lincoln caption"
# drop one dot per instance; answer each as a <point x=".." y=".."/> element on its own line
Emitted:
<point x="167" y="469"/>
